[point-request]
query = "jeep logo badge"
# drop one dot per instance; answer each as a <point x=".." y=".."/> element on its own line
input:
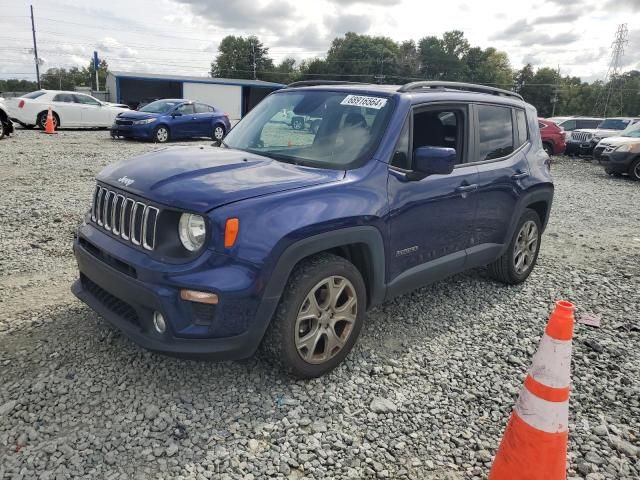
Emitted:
<point x="126" y="181"/>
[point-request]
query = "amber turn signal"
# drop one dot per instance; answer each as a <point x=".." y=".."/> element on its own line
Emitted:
<point x="231" y="232"/>
<point x="199" y="297"/>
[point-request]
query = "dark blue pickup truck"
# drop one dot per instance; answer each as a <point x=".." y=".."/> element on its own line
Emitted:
<point x="283" y="238"/>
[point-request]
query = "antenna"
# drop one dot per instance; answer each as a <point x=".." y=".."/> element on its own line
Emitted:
<point x="608" y="93"/>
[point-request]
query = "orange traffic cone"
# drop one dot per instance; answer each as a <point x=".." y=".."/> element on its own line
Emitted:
<point x="49" y="128"/>
<point x="534" y="445"/>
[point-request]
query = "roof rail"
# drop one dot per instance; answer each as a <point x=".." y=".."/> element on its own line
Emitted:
<point x="312" y="83"/>
<point x="470" y="87"/>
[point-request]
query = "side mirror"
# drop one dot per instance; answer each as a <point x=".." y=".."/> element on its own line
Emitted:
<point x="434" y="160"/>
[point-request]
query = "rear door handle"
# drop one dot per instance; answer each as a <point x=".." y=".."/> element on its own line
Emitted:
<point x="519" y="175"/>
<point x="467" y="188"/>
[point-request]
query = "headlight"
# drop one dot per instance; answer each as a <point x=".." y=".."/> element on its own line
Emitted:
<point x="192" y="230"/>
<point x="147" y="121"/>
<point x="623" y="148"/>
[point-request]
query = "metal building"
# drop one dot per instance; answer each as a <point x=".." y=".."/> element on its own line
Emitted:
<point x="234" y="96"/>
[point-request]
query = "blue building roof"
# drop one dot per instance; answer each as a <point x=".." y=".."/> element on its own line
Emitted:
<point x="189" y="79"/>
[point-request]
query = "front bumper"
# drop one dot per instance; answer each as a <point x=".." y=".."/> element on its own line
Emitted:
<point x="133" y="131"/>
<point x="579" y="148"/>
<point x="618" y="162"/>
<point x="127" y="298"/>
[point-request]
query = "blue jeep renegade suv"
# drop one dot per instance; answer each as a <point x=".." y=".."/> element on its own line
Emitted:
<point x="284" y="238"/>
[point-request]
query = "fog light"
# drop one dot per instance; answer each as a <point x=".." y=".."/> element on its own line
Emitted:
<point x="159" y="322"/>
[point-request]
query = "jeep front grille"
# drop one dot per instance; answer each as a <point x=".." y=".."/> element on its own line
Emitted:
<point x="125" y="217"/>
<point x="581" y="136"/>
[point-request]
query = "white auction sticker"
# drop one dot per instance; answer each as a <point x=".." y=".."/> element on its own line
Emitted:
<point x="361" y="101"/>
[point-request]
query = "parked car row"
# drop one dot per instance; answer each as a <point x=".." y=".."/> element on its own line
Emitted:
<point x="159" y="121"/>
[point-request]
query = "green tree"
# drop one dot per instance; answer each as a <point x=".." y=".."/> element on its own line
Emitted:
<point x="443" y="59"/>
<point x="15" y="85"/>
<point x="240" y="57"/>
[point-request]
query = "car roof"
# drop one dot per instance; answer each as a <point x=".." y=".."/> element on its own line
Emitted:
<point x="417" y="96"/>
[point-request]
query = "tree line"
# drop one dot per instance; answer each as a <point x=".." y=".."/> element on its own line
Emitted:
<point x="378" y="59"/>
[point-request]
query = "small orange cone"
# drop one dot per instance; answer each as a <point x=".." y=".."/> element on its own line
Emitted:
<point x="49" y="128"/>
<point x="534" y="445"/>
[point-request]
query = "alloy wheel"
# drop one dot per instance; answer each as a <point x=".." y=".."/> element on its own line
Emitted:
<point x="526" y="247"/>
<point x="162" y="135"/>
<point x="326" y="319"/>
<point x="218" y="133"/>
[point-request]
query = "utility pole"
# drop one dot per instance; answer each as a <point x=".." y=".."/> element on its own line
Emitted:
<point x="35" y="48"/>
<point x="253" y="54"/>
<point x="554" y="99"/>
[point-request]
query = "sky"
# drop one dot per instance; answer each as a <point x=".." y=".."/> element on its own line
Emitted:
<point x="181" y="36"/>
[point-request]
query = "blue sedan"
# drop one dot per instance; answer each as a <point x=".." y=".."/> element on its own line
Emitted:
<point x="170" y="119"/>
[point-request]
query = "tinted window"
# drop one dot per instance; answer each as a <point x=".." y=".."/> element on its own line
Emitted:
<point x="185" y="109"/>
<point x="588" y="123"/>
<point x="201" y="108"/>
<point x="33" y="95"/>
<point x="86" y="100"/>
<point x="63" y="97"/>
<point x="160" y="106"/>
<point x="523" y="131"/>
<point x="614" y="124"/>
<point x="495" y="132"/>
<point x="569" y="125"/>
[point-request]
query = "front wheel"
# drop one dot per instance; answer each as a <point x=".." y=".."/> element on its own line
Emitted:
<point x="516" y="264"/>
<point x="161" y="134"/>
<point x="319" y="316"/>
<point x="218" y="133"/>
<point x="634" y="169"/>
<point x="547" y="148"/>
<point x="1" y="129"/>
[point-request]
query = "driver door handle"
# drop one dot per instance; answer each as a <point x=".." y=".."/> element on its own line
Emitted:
<point x="520" y="175"/>
<point x="467" y="188"/>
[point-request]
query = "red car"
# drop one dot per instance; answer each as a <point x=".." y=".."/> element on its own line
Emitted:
<point x="553" y="137"/>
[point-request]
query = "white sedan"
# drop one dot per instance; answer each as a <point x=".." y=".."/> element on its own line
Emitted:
<point x="70" y="109"/>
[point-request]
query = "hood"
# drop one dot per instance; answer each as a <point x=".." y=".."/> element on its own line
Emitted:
<point x="599" y="132"/>
<point x="617" y="141"/>
<point x="135" y="115"/>
<point x="202" y="178"/>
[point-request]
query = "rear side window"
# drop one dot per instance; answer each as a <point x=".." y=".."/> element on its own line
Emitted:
<point x="33" y="95"/>
<point x="523" y="131"/>
<point x="495" y="139"/>
<point x="571" y="125"/>
<point x="63" y="97"/>
<point x="588" y="123"/>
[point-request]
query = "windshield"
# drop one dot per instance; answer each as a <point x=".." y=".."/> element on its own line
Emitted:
<point x="315" y="128"/>
<point x="613" y="124"/>
<point x="632" y="131"/>
<point x="160" y="106"/>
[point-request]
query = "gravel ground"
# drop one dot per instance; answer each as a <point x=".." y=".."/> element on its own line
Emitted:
<point x="425" y="394"/>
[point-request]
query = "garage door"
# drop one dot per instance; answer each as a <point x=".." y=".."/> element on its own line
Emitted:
<point x="227" y="98"/>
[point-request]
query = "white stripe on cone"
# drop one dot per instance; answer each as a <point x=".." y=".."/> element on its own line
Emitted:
<point x="551" y="364"/>
<point x="550" y="417"/>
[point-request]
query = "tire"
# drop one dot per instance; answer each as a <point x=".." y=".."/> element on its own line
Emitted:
<point x="634" y="169"/>
<point x="218" y="133"/>
<point x="314" y="278"/>
<point x="508" y="268"/>
<point x="1" y="129"/>
<point x="547" y="148"/>
<point x="161" y="134"/>
<point x="42" y="120"/>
